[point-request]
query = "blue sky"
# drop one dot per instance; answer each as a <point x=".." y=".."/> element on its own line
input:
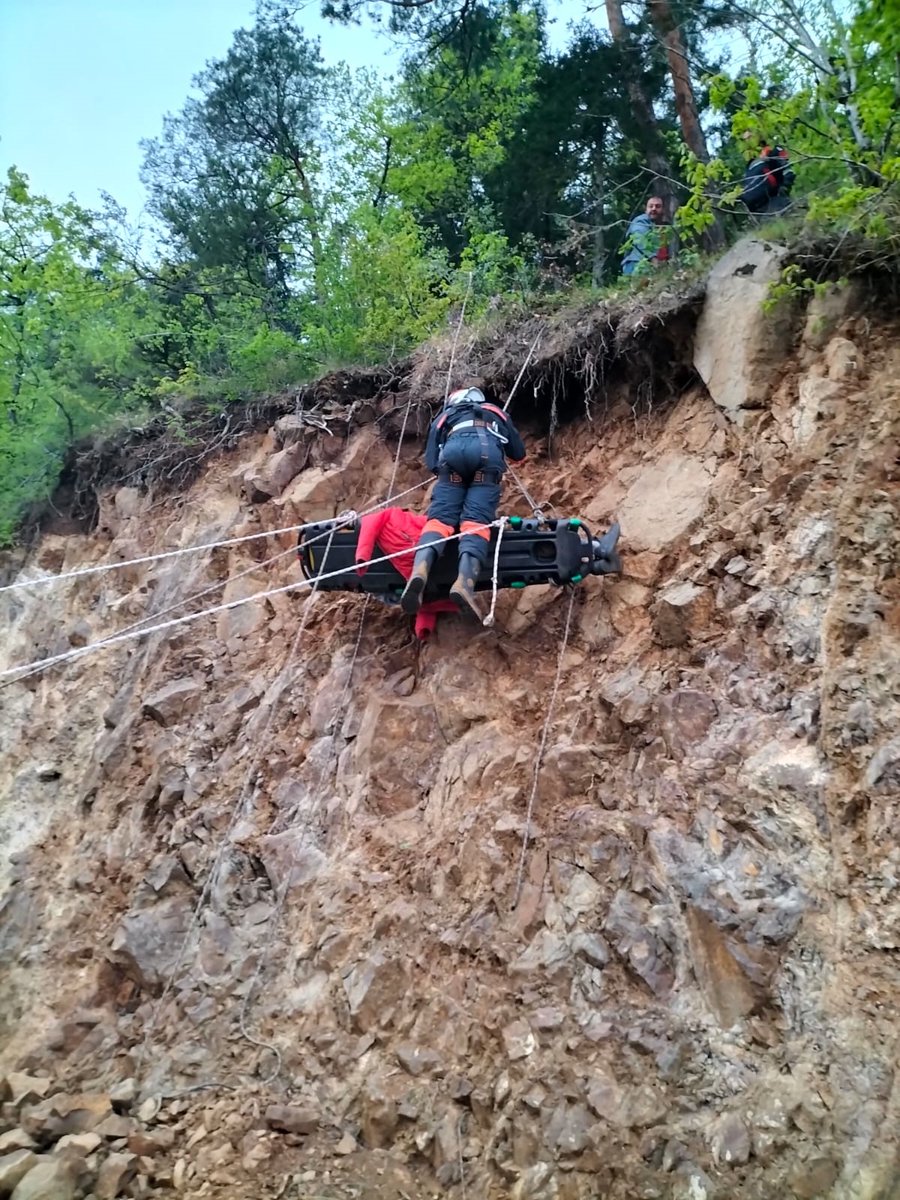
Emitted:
<point x="84" y="80"/>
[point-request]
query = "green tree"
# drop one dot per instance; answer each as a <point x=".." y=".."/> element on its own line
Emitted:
<point x="235" y="178"/>
<point x="70" y="323"/>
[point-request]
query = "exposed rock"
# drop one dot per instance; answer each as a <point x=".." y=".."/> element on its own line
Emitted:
<point x="83" y="1143"/>
<point x="569" y="1128"/>
<point x="16" y="1139"/>
<point x="416" y="1060"/>
<point x="244" y="620"/>
<point x="519" y="1041"/>
<point x="628" y="925"/>
<point x="567" y="772"/>
<point x="681" y="612"/>
<point x="13" y="1167"/>
<point x="883" y="768"/>
<point x="813" y="1179"/>
<point x="148" y="942"/>
<point x="725" y="987"/>
<point x="828" y="307"/>
<point x="730" y="1141"/>
<point x="66" y="1113"/>
<point x="27" y="1088"/>
<point x="272" y="476"/>
<point x="691" y="996"/>
<point x="49" y="1179"/>
<point x="591" y="947"/>
<point x="778" y="765"/>
<point x="397" y="748"/>
<point x="664" y="501"/>
<point x="739" y="348"/>
<point x="291" y="429"/>
<point x="290" y="860"/>
<point x="174" y="702"/>
<point x="628" y="1108"/>
<point x="685" y="717"/>
<point x="292" y="1118"/>
<point x="380" y="1114"/>
<point x="114" y="1174"/>
<point x="843" y="359"/>
<point x="147" y="1145"/>
<point x="626" y="692"/>
<point x="816" y="397"/>
<point x="374" y="989"/>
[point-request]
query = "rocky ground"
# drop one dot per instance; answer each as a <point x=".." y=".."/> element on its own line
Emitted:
<point x="267" y="928"/>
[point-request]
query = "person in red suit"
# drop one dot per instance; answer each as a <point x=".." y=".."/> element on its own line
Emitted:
<point x="386" y="532"/>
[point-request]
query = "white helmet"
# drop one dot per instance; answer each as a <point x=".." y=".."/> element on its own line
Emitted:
<point x="466" y="395"/>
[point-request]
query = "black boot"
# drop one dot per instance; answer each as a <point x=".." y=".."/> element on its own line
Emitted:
<point x="411" y="600"/>
<point x="462" y="592"/>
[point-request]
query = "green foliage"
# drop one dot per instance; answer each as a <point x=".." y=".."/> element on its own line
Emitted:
<point x="384" y="290"/>
<point x="831" y="97"/>
<point x="68" y="317"/>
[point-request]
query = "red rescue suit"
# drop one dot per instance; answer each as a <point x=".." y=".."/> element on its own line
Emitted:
<point x="396" y="529"/>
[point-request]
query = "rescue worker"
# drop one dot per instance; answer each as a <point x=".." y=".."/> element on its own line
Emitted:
<point x="768" y="181"/>
<point x="390" y="530"/>
<point x="647" y="237"/>
<point x="467" y="448"/>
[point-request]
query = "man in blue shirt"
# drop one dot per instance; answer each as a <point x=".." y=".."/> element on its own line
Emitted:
<point x="647" y="239"/>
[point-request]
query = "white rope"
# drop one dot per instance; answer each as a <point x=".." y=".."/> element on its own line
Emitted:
<point x="522" y="372"/>
<point x="541" y="747"/>
<point x="222" y="583"/>
<point x="462" y="313"/>
<point x="536" y="509"/>
<point x="132" y="562"/>
<point x="275" y="916"/>
<point x="236" y="814"/>
<point x="70" y="655"/>
<point x="489" y="619"/>
<point x="399" y="448"/>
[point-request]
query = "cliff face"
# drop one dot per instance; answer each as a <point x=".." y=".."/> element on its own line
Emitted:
<point x="269" y="864"/>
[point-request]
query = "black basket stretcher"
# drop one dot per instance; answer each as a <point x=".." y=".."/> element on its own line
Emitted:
<point x="557" y="551"/>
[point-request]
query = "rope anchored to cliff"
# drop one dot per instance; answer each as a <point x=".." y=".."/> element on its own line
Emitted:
<point x="542" y="745"/>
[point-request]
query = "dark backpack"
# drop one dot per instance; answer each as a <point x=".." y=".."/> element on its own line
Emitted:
<point x="765" y="177"/>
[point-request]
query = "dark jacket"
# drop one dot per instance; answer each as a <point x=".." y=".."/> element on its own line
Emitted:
<point x="499" y="424"/>
<point x="767" y="182"/>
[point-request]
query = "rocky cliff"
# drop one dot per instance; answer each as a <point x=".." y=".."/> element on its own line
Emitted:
<point x="268" y="929"/>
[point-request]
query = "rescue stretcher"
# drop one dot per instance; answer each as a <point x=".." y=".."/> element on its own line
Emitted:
<point x="556" y="550"/>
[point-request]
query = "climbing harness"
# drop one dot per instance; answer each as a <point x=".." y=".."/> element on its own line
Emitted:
<point x="542" y="744"/>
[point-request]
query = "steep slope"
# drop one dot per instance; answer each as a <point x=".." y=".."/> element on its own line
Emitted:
<point x="269" y="864"/>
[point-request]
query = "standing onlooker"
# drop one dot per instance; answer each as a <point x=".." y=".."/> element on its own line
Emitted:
<point x="648" y="237"/>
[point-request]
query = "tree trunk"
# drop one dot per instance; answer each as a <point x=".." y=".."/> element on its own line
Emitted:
<point x="663" y="21"/>
<point x="657" y="160"/>
<point x="599" y="248"/>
